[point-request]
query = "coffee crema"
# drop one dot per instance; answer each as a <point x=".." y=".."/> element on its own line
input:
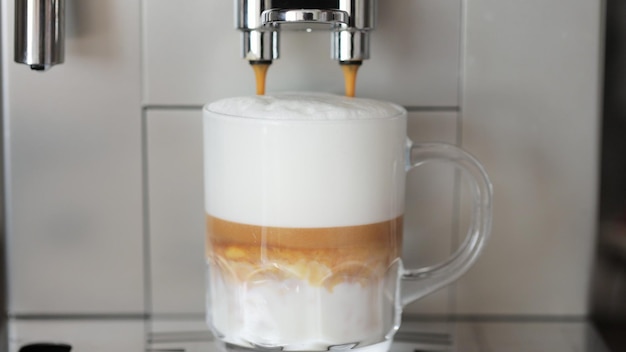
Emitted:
<point x="323" y="256"/>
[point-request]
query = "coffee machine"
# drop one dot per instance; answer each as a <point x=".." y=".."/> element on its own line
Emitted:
<point x="101" y="161"/>
<point x="40" y="28"/>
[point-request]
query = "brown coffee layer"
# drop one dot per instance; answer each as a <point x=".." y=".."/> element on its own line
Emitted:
<point x="323" y="256"/>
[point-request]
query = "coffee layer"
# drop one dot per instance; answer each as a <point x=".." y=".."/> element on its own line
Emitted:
<point x="322" y="256"/>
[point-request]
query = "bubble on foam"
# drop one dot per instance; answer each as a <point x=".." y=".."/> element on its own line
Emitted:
<point x="305" y="106"/>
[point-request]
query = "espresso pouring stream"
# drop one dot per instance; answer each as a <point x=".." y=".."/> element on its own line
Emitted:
<point x="349" y="69"/>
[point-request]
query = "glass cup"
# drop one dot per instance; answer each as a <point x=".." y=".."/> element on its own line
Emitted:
<point x="304" y="206"/>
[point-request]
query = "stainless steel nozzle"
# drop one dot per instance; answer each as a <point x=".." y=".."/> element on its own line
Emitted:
<point x="350" y="46"/>
<point x="39" y="33"/>
<point x="349" y="21"/>
<point x="260" y="45"/>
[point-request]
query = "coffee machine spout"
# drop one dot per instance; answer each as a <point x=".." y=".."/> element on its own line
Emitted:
<point x="39" y="33"/>
<point x="349" y="22"/>
<point x="260" y="45"/>
<point x="350" y="46"/>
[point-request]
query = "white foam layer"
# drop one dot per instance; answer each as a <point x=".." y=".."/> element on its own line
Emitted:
<point x="305" y="106"/>
<point x="304" y="172"/>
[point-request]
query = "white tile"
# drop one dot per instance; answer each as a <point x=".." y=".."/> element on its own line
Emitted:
<point x="530" y="114"/>
<point x="194" y="56"/>
<point x="415" y="53"/>
<point x="176" y="211"/>
<point x="82" y="335"/>
<point x="73" y="167"/>
<point x="429" y="207"/>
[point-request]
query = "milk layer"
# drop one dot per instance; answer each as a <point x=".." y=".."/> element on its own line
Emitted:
<point x="297" y="316"/>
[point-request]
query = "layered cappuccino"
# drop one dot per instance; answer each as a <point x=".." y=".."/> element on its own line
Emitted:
<point x="304" y="203"/>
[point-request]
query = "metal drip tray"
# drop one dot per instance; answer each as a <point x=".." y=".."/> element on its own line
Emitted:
<point x="421" y="336"/>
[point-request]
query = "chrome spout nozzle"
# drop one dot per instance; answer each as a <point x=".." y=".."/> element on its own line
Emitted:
<point x="350" y="46"/>
<point x="348" y="20"/>
<point x="39" y="33"/>
<point x="260" y="45"/>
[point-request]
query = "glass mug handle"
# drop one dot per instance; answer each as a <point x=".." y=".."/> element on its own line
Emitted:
<point x="424" y="281"/>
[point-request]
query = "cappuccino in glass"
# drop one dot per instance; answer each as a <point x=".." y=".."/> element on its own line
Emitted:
<point x="304" y="206"/>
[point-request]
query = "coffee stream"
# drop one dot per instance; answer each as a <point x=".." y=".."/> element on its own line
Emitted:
<point x="260" y="72"/>
<point x="349" y="68"/>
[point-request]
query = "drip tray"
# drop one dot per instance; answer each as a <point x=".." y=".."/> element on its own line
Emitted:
<point x="525" y="335"/>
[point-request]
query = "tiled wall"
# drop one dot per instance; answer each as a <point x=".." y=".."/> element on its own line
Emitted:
<point x="104" y="162"/>
<point x="194" y="56"/>
<point x="73" y="167"/>
<point x="530" y="112"/>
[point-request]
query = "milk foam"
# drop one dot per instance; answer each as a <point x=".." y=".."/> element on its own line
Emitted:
<point x="305" y="106"/>
<point x="262" y="314"/>
<point x="322" y="161"/>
